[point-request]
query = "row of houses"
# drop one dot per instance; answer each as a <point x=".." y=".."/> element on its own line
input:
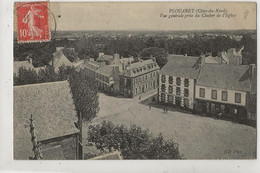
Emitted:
<point x="122" y="76"/>
<point x="58" y="59"/>
<point x="212" y="87"/>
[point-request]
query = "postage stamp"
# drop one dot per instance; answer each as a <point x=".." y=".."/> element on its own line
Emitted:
<point x="32" y="22"/>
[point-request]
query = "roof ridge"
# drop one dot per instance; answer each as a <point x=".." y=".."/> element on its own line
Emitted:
<point x="44" y="83"/>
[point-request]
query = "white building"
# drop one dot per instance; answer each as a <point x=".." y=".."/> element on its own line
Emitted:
<point x="225" y="89"/>
<point x="177" y="81"/>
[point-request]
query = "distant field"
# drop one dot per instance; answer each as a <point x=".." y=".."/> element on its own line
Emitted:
<point x="198" y="137"/>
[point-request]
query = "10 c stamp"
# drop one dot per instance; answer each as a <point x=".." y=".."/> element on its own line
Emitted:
<point x="32" y="22"/>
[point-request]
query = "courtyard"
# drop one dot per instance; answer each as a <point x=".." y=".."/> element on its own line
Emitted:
<point x="198" y="137"/>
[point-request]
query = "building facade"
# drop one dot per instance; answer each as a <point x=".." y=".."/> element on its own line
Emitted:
<point x="138" y="78"/>
<point x="227" y="90"/>
<point x="177" y="81"/>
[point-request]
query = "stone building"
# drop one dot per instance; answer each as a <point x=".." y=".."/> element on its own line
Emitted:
<point x="138" y="78"/>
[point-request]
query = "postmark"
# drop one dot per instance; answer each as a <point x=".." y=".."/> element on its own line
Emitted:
<point x="33" y="22"/>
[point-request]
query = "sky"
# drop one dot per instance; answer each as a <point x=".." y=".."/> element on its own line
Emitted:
<point x="146" y="16"/>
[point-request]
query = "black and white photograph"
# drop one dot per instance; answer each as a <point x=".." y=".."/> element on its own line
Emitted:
<point x="131" y="81"/>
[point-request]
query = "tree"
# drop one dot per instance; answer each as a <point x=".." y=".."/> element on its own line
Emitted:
<point x="85" y="94"/>
<point x="47" y="75"/>
<point x="25" y="76"/>
<point x="133" y="142"/>
<point x="249" y="53"/>
<point x="159" y="53"/>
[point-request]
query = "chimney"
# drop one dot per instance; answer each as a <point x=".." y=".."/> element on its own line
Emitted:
<point x="185" y="54"/>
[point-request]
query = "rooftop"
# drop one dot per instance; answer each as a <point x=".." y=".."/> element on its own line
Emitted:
<point x="59" y="59"/>
<point x="181" y="66"/>
<point x="18" y="64"/>
<point x="233" y="77"/>
<point x="106" y="70"/>
<point x="53" y="112"/>
<point x="139" y="68"/>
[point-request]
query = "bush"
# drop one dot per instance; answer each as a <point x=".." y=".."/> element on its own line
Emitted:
<point x="133" y="142"/>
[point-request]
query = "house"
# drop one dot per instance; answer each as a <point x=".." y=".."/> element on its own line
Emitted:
<point x="108" y="79"/>
<point x="105" y="75"/>
<point x="177" y="80"/>
<point x="138" y="78"/>
<point x="226" y="89"/>
<point x="53" y="112"/>
<point x="25" y="64"/>
<point x="59" y="59"/>
<point x="232" y="57"/>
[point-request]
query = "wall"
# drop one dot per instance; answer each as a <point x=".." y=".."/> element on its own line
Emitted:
<point x="149" y="83"/>
<point x="231" y="95"/>
<point x="191" y="89"/>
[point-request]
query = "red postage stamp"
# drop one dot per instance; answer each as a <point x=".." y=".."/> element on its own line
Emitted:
<point x="32" y="22"/>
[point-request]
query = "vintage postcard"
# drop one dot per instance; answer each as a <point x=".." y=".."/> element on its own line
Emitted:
<point x="134" y="80"/>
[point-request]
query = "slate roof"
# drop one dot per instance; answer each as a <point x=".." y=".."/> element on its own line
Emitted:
<point x="214" y="60"/>
<point x="93" y="65"/>
<point x="231" y="77"/>
<point x="139" y="68"/>
<point x="106" y="70"/>
<point x="181" y="66"/>
<point x="59" y="59"/>
<point x="53" y="111"/>
<point x="25" y="64"/>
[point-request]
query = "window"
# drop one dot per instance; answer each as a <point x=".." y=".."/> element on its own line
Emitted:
<point x="214" y="94"/>
<point x="237" y="97"/>
<point x="186" y="82"/>
<point x="178" y="91"/>
<point x="151" y="75"/>
<point x="178" y="81"/>
<point x="170" y="79"/>
<point x="145" y="77"/>
<point x="163" y="78"/>
<point x="224" y="95"/>
<point x="135" y="90"/>
<point x="163" y="88"/>
<point x="186" y="92"/>
<point x="170" y="89"/>
<point x="202" y="92"/>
